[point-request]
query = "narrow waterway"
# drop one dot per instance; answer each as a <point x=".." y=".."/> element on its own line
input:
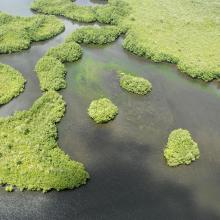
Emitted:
<point x="129" y="177"/>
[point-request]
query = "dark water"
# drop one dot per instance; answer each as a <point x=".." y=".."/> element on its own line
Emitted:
<point x="129" y="178"/>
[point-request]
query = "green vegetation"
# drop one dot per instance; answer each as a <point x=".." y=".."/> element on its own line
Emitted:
<point x="30" y="156"/>
<point x="135" y="84"/>
<point x="95" y="35"/>
<point x="108" y="14"/>
<point x="183" y="32"/>
<point x="66" y="52"/>
<point x="51" y="73"/>
<point x="9" y="188"/>
<point x="102" y="110"/>
<point x="17" y="33"/>
<point x="12" y="83"/>
<point x="181" y="149"/>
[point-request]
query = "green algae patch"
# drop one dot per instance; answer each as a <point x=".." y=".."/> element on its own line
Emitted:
<point x="181" y="149"/>
<point x="135" y="84"/>
<point x="95" y="35"/>
<point x="160" y="30"/>
<point x="12" y="83"/>
<point x="51" y="73"/>
<point x="102" y="110"/>
<point x="66" y="52"/>
<point x="30" y="156"/>
<point x="17" y="33"/>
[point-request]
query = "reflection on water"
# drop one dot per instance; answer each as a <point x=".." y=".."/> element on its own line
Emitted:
<point x="129" y="178"/>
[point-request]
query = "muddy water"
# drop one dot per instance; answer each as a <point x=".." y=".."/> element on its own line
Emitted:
<point x="129" y="178"/>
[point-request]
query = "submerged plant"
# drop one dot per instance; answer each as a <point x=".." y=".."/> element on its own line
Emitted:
<point x="95" y="35"/>
<point x="30" y="156"/>
<point x="181" y="149"/>
<point x="51" y="73"/>
<point x="12" y="83"/>
<point x="66" y="52"/>
<point x="17" y="33"/>
<point x="135" y="84"/>
<point x="102" y="110"/>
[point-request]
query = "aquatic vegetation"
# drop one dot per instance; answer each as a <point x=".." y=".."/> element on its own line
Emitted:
<point x="30" y="156"/>
<point x="9" y="188"/>
<point x="135" y="84"/>
<point x="12" y="83"/>
<point x="95" y="35"/>
<point x="183" y="32"/>
<point x="66" y="52"/>
<point x="65" y="8"/>
<point x="102" y="110"/>
<point x="181" y="149"/>
<point x="108" y="14"/>
<point x="17" y="33"/>
<point x="51" y="73"/>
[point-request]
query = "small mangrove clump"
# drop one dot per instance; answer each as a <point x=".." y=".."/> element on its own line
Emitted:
<point x="9" y="188"/>
<point x="66" y="52"/>
<point x="12" y="83"/>
<point x="17" y="32"/>
<point x="51" y="73"/>
<point x="102" y="110"/>
<point x="181" y="149"/>
<point x="135" y="84"/>
<point x="30" y="157"/>
<point x="95" y="35"/>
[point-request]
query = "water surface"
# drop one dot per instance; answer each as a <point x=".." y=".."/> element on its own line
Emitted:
<point x="129" y="178"/>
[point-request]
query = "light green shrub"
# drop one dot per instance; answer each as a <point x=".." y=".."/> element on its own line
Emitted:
<point x="12" y="83"/>
<point x="181" y="149"/>
<point x="94" y="35"/>
<point x="102" y="110"/>
<point x="66" y="52"/>
<point x="135" y="84"/>
<point x="17" y="33"/>
<point x="51" y="73"/>
<point x="9" y="188"/>
<point x="30" y="156"/>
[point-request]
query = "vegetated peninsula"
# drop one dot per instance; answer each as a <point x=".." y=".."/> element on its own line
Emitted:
<point x="181" y="149"/>
<point x="29" y="154"/>
<point x="17" y="32"/>
<point x="12" y="83"/>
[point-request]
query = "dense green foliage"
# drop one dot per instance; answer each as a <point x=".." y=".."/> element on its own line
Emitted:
<point x="94" y="35"/>
<point x="180" y="149"/>
<point x="9" y="188"/>
<point x="12" y="83"/>
<point x="66" y="52"/>
<point x="135" y="84"/>
<point x="30" y="156"/>
<point x="17" y="33"/>
<point x="108" y="14"/>
<point x="51" y="73"/>
<point x="102" y="110"/>
<point x="183" y="32"/>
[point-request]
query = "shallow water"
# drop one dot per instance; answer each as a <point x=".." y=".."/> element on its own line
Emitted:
<point x="129" y="178"/>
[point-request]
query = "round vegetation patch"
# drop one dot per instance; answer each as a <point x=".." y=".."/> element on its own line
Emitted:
<point x="66" y="52"/>
<point x="181" y="149"/>
<point x="102" y="110"/>
<point x="135" y="84"/>
<point x="12" y="83"/>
